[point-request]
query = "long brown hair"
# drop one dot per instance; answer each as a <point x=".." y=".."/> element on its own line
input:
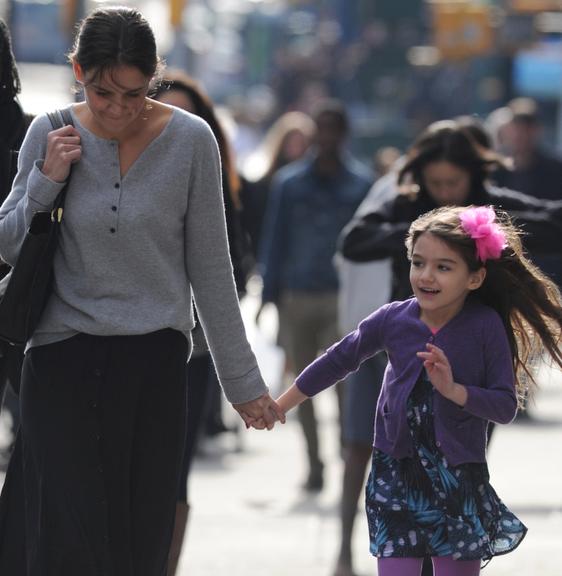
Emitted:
<point x="528" y="302"/>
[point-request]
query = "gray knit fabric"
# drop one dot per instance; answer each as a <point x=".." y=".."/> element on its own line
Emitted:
<point x="133" y="249"/>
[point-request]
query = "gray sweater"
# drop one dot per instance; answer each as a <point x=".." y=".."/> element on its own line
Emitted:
<point x="133" y="250"/>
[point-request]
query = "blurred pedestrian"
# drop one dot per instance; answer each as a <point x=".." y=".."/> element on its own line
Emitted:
<point x="385" y="159"/>
<point x="286" y="141"/>
<point x="203" y="390"/>
<point x="13" y="121"/>
<point x="13" y="126"/>
<point x="92" y="486"/>
<point x="459" y="355"/>
<point x="535" y="171"/>
<point x="311" y="201"/>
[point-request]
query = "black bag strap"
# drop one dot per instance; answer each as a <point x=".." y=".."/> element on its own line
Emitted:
<point x="58" y="119"/>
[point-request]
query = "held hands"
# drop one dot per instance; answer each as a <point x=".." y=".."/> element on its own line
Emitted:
<point x="260" y="413"/>
<point x="276" y="410"/>
<point x="63" y="149"/>
<point x="441" y="376"/>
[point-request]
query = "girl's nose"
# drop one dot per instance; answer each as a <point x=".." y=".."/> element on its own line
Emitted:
<point x="427" y="273"/>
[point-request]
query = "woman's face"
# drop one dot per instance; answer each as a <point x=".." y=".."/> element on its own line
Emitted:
<point x="446" y="183"/>
<point x="177" y="98"/>
<point x="295" y="145"/>
<point x="116" y="98"/>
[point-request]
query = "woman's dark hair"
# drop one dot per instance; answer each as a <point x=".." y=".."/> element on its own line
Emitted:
<point x="203" y="107"/>
<point x="10" y="85"/>
<point x="528" y="302"/>
<point x="476" y="130"/>
<point x="111" y="37"/>
<point x="451" y="142"/>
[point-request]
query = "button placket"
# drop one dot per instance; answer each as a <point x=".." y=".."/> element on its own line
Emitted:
<point x="116" y="193"/>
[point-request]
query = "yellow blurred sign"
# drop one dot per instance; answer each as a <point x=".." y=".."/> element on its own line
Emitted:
<point x="532" y="6"/>
<point x="176" y="11"/>
<point x="462" y="30"/>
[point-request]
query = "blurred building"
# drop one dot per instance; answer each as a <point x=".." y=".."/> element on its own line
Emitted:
<point x="398" y="64"/>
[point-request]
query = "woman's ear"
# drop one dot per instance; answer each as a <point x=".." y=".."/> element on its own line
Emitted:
<point x="78" y="72"/>
<point x="477" y="278"/>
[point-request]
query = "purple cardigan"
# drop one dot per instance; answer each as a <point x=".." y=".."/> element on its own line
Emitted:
<point x="474" y="341"/>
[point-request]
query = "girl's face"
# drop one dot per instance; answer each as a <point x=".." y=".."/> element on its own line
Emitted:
<point x="177" y="98"/>
<point x="440" y="279"/>
<point x="117" y="98"/>
<point x="446" y="183"/>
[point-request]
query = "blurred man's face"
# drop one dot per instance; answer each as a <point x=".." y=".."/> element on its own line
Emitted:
<point x="330" y="133"/>
<point x="446" y="183"/>
<point x="521" y="138"/>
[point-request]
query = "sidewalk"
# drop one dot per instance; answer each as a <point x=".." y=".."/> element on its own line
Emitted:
<point x="250" y="517"/>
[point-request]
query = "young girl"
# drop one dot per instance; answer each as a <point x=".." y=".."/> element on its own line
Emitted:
<point x="458" y="357"/>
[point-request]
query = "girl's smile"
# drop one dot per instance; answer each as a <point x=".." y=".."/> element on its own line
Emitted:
<point x="440" y="279"/>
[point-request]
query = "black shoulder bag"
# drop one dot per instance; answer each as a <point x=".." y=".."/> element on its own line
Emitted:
<point x="25" y="289"/>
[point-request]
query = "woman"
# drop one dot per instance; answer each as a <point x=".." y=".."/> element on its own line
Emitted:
<point x="286" y="141"/>
<point x="103" y="384"/>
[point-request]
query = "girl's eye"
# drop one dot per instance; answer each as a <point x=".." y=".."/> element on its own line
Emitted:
<point x="417" y="264"/>
<point x="444" y="268"/>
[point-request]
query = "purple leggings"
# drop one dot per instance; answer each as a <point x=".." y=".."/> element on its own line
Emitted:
<point x="442" y="566"/>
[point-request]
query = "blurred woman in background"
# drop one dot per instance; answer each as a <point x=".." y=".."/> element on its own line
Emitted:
<point x="203" y="391"/>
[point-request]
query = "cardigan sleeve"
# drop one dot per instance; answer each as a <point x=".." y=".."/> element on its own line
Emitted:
<point x="345" y="356"/>
<point x="497" y="400"/>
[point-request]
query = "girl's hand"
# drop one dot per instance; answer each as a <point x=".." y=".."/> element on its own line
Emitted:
<point x="291" y="398"/>
<point x="63" y="149"/>
<point x="441" y="376"/>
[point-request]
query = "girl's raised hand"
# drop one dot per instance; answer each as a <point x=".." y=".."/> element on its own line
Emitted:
<point x="63" y="149"/>
<point x="439" y="372"/>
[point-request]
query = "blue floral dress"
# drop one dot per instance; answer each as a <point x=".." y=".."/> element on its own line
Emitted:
<point x="423" y="506"/>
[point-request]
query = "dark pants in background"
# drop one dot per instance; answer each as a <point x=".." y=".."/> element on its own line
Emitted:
<point x="98" y="456"/>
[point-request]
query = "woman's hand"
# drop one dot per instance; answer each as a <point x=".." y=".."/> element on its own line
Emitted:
<point x="439" y="372"/>
<point x="260" y="413"/>
<point x="63" y="150"/>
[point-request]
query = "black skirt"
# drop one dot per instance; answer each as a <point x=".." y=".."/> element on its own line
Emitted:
<point x="92" y="485"/>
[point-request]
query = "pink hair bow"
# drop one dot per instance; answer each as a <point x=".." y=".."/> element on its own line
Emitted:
<point x="480" y="224"/>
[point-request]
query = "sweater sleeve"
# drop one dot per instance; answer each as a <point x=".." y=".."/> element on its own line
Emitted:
<point x="210" y="273"/>
<point x="496" y="401"/>
<point x="31" y="192"/>
<point x="345" y="356"/>
<point x="375" y="233"/>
